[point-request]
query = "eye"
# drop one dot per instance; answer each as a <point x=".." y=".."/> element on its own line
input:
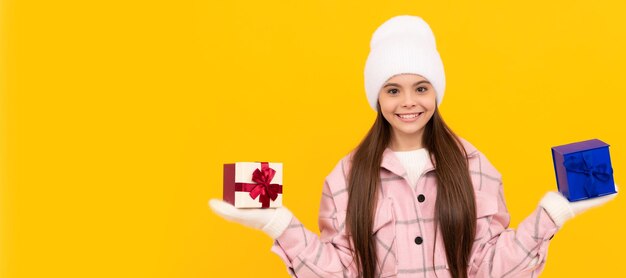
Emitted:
<point x="422" y="89"/>
<point x="392" y="91"/>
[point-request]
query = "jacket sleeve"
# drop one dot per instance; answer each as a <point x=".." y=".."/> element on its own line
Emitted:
<point x="503" y="252"/>
<point x="329" y="255"/>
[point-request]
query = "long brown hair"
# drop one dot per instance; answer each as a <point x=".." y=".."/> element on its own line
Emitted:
<point x="455" y="208"/>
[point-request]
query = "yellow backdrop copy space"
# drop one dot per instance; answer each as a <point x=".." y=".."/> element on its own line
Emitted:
<point x="117" y="117"/>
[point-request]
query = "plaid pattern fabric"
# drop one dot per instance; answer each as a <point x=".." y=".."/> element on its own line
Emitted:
<point x="408" y="243"/>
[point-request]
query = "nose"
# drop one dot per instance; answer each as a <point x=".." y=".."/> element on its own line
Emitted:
<point x="409" y="101"/>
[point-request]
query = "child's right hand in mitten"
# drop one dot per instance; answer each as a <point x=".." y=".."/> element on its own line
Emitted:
<point x="272" y="221"/>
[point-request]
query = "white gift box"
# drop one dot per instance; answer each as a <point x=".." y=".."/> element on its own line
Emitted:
<point x="253" y="184"/>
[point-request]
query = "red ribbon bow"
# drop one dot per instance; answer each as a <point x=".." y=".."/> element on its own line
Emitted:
<point x="262" y="188"/>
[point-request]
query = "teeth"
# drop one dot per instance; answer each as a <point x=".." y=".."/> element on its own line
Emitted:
<point x="408" y="116"/>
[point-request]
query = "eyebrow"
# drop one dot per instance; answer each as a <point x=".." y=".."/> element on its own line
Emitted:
<point x="398" y="85"/>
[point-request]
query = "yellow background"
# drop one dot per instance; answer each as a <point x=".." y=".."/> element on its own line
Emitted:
<point x="117" y="117"/>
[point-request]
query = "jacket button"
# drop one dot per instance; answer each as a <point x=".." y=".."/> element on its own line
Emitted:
<point x="421" y="198"/>
<point x="418" y="240"/>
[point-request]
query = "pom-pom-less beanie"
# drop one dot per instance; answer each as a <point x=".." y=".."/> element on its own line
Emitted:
<point x="403" y="44"/>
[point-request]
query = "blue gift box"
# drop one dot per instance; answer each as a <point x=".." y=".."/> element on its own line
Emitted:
<point x="583" y="169"/>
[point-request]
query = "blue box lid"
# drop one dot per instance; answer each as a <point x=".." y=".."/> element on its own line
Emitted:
<point x="580" y="146"/>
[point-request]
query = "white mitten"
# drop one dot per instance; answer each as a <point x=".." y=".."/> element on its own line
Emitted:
<point x="561" y="210"/>
<point x="271" y="221"/>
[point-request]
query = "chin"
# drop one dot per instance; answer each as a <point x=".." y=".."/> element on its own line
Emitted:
<point x="410" y="131"/>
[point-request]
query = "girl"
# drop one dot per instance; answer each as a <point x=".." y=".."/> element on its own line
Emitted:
<point x="413" y="199"/>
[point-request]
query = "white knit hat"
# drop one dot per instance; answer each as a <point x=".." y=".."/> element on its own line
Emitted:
<point x="403" y="44"/>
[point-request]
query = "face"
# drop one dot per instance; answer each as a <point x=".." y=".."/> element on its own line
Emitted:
<point x="407" y="101"/>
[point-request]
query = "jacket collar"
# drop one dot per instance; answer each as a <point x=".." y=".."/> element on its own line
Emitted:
<point x="391" y="162"/>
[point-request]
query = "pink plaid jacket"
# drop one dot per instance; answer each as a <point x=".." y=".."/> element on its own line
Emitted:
<point x="407" y="242"/>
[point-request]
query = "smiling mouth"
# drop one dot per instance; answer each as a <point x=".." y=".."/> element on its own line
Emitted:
<point x="409" y="116"/>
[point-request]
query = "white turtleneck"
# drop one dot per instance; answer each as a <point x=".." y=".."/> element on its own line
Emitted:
<point x="414" y="162"/>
